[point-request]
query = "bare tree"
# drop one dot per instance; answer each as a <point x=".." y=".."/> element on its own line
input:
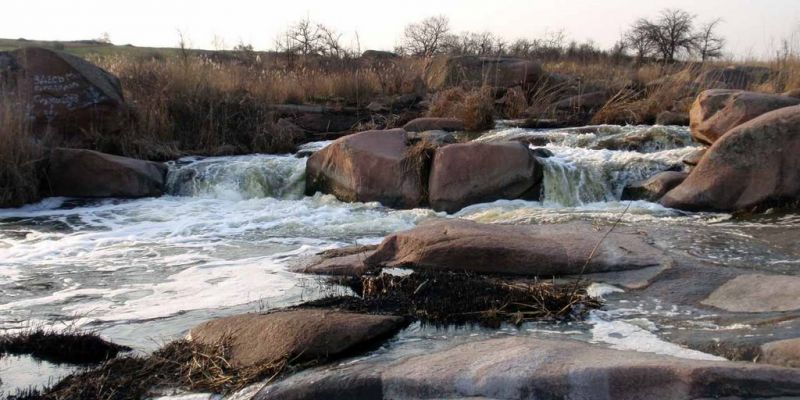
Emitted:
<point x="305" y="34"/>
<point x="639" y="39"/>
<point x="709" y="44"/>
<point x="427" y="37"/>
<point x="673" y="33"/>
<point x="330" y="42"/>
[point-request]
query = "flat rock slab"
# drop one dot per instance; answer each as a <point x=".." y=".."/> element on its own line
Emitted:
<point x="347" y="261"/>
<point x="757" y="293"/>
<point x="257" y="339"/>
<point x="540" y="250"/>
<point x="528" y="368"/>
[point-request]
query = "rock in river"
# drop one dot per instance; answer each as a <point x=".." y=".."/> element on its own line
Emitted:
<point x="655" y="187"/>
<point x="304" y="335"/>
<point x="470" y="173"/>
<point x="367" y="166"/>
<point x="87" y="173"/>
<point x="542" y="250"/>
<point x="434" y="124"/>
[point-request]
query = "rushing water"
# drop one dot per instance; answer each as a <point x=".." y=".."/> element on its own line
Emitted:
<point x="142" y="272"/>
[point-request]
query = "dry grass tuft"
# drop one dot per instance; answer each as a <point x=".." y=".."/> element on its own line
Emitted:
<point x="475" y="107"/>
<point x="444" y="298"/>
<point x="181" y="364"/>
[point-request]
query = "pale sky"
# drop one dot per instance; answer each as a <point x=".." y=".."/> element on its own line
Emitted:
<point x="753" y="28"/>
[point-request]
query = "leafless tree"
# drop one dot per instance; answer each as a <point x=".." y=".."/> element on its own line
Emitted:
<point x="306" y="37"/>
<point x="427" y="37"/>
<point x="330" y="42"/>
<point x="673" y="33"/>
<point x="709" y="44"/>
<point x="639" y="39"/>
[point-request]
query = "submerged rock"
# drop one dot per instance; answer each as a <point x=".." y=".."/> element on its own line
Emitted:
<point x="527" y="367"/>
<point x="470" y="173"/>
<point x="348" y="261"/>
<point x="434" y="124"/>
<point x="655" y="187"/>
<point x="368" y="166"/>
<point x="715" y="112"/>
<point x="301" y="335"/>
<point x="757" y="293"/>
<point x="753" y="164"/>
<point x="540" y="250"/>
<point x="87" y="173"/>
<point x="66" y="95"/>
<point x="672" y="118"/>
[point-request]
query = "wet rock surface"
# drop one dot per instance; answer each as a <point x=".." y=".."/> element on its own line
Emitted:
<point x="517" y="250"/>
<point x="524" y="367"/>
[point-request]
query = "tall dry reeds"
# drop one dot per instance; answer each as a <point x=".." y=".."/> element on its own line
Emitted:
<point x="198" y="105"/>
<point x="20" y="157"/>
<point x="475" y="107"/>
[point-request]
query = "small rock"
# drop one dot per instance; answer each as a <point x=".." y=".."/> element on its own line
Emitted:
<point x="434" y="124"/>
<point x="783" y="352"/>
<point x="757" y="293"/>
<point x="655" y="187"/>
<point x="672" y="118"/>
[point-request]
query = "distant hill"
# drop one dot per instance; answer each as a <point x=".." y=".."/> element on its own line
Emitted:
<point x="85" y="48"/>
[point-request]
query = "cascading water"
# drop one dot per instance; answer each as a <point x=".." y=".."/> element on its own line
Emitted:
<point x="594" y="164"/>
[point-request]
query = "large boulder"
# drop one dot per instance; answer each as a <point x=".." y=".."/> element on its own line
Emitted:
<point x="368" y="166"/>
<point x="470" y="173"/>
<point x="299" y="335"/>
<point x="87" y="173"/>
<point x="533" y="368"/>
<point x="541" y="250"/>
<point x="434" y="124"/>
<point x="446" y="71"/>
<point x="64" y="94"/>
<point x="751" y="165"/>
<point x="654" y="187"/>
<point x="715" y="112"/>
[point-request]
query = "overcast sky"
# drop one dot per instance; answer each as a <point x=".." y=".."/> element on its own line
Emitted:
<point x="754" y="28"/>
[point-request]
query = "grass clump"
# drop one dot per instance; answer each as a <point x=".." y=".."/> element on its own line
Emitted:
<point x="181" y="364"/>
<point x="61" y="347"/>
<point x="443" y="298"/>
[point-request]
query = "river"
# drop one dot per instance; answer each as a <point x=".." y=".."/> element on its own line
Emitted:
<point x="142" y="272"/>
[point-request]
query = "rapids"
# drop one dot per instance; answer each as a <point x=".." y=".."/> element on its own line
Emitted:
<point x="142" y="272"/>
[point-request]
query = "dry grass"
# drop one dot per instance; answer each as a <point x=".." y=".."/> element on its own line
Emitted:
<point x="444" y="298"/>
<point x="61" y="347"/>
<point x="20" y="158"/>
<point x="181" y="364"/>
<point x="198" y="105"/>
<point x="475" y="107"/>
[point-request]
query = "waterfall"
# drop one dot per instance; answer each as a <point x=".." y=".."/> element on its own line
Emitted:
<point x="577" y="176"/>
<point x="239" y="177"/>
